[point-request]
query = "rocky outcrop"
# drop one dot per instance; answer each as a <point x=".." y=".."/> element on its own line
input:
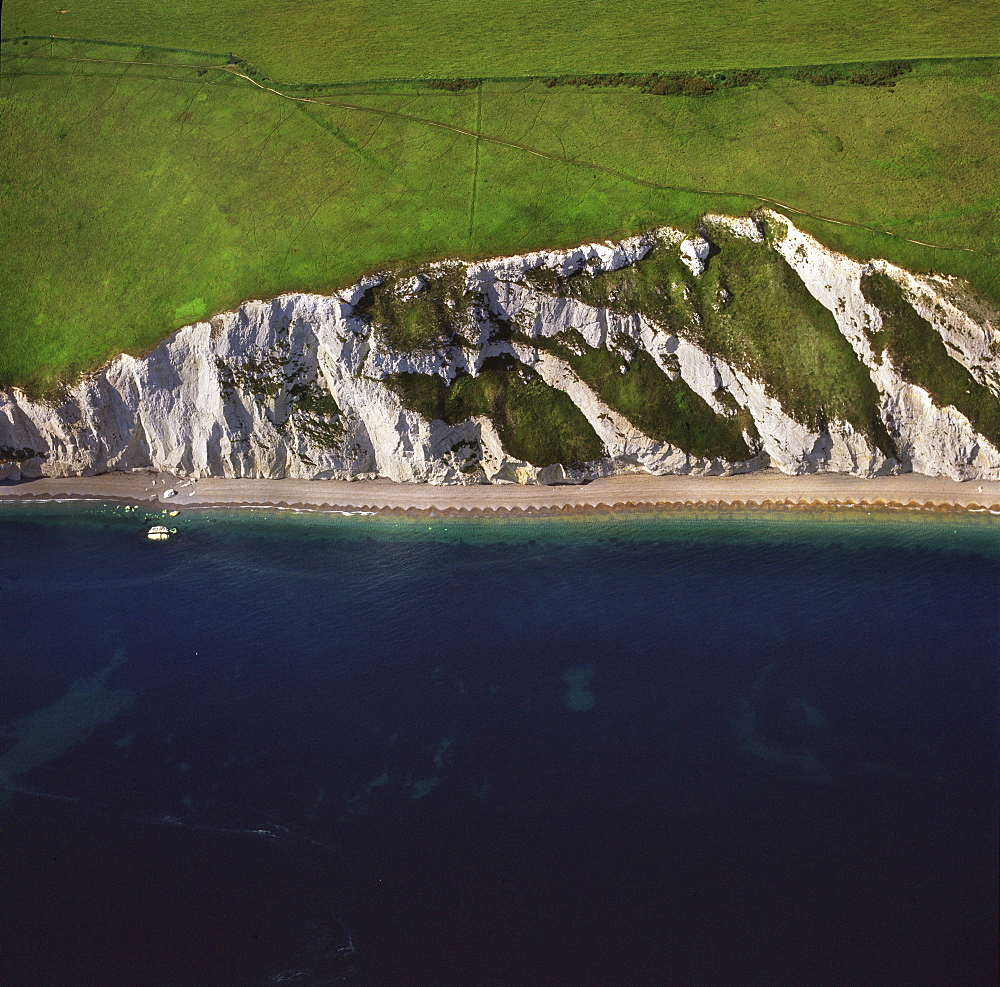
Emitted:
<point x="303" y="385"/>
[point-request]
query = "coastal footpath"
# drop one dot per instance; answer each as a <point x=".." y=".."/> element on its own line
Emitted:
<point x="747" y="346"/>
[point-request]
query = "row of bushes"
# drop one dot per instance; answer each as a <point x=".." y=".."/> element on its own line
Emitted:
<point x="706" y="83"/>
<point x="670" y="84"/>
<point x="453" y="85"/>
<point x="877" y="74"/>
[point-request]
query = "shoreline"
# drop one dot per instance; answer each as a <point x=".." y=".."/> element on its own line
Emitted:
<point x="765" y="489"/>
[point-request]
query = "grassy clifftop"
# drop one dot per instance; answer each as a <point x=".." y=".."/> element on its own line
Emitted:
<point x="145" y="188"/>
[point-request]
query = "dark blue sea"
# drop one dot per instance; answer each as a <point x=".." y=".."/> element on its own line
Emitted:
<point x="689" y="748"/>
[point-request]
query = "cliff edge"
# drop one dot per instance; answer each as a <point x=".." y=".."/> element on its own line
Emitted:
<point x="747" y="345"/>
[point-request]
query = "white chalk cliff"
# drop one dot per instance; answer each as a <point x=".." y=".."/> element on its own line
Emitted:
<point x="296" y="386"/>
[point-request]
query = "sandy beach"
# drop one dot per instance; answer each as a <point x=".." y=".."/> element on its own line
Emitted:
<point x="768" y="488"/>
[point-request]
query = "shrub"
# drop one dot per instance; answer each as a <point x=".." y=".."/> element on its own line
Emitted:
<point x="874" y="74"/>
<point x="880" y="74"/>
<point x="453" y="85"/>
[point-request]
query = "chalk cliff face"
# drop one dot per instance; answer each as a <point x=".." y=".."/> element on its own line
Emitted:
<point x="308" y="386"/>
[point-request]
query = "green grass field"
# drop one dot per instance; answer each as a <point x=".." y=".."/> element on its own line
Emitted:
<point x="144" y="189"/>
<point x="352" y="40"/>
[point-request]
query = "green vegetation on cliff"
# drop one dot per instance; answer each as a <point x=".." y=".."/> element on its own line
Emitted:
<point x="417" y="311"/>
<point x="750" y="308"/>
<point x="756" y="312"/>
<point x="664" y="409"/>
<point x="536" y="423"/>
<point x="920" y="356"/>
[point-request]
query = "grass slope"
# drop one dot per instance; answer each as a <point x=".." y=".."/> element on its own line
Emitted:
<point x="434" y="314"/>
<point x="920" y="355"/>
<point x="536" y="423"/>
<point x="664" y="409"/>
<point x="774" y="327"/>
<point x="752" y="309"/>
<point x="138" y="197"/>
<point x="351" y="40"/>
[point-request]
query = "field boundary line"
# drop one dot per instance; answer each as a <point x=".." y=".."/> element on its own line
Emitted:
<point x="662" y="70"/>
<point x="475" y="161"/>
